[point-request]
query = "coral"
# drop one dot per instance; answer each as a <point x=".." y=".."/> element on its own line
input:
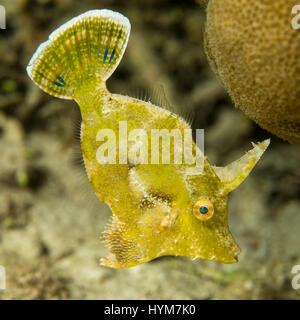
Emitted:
<point x="253" y="48"/>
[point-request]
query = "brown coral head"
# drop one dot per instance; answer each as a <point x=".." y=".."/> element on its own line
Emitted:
<point x="255" y="51"/>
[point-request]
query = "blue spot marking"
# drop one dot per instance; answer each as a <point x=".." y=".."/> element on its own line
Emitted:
<point x="58" y="84"/>
<point x="61" y="79"/>
<point x="105" y="55"/>
<point x="111" y="57"/>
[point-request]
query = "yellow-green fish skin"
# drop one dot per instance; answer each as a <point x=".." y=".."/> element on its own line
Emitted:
<point x="152" y="204"/>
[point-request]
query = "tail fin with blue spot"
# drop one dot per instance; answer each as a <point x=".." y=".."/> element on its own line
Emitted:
<point x="90" y="45"/>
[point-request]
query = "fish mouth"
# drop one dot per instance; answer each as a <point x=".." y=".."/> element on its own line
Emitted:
<point x="226" y="254"/>
<point x="235" y="258"/>
<point x="232" y="257"/>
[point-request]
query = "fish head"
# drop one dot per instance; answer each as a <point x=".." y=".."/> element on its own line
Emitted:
<point x="204" y="232"/>
<point x="204" y="226"/>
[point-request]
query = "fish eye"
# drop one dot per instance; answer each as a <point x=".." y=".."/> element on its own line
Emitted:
<point x="203" y="210"/>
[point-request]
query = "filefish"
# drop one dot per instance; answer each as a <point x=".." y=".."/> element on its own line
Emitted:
<point x="158" y="209"/>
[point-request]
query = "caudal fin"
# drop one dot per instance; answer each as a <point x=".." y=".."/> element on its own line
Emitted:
<point x="90" y="45"/>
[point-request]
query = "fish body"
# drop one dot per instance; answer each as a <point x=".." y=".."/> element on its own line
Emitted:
<point x="159" y="208"/>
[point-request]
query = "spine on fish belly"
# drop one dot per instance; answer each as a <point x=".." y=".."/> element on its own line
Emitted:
<point x="88" y="48"/>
